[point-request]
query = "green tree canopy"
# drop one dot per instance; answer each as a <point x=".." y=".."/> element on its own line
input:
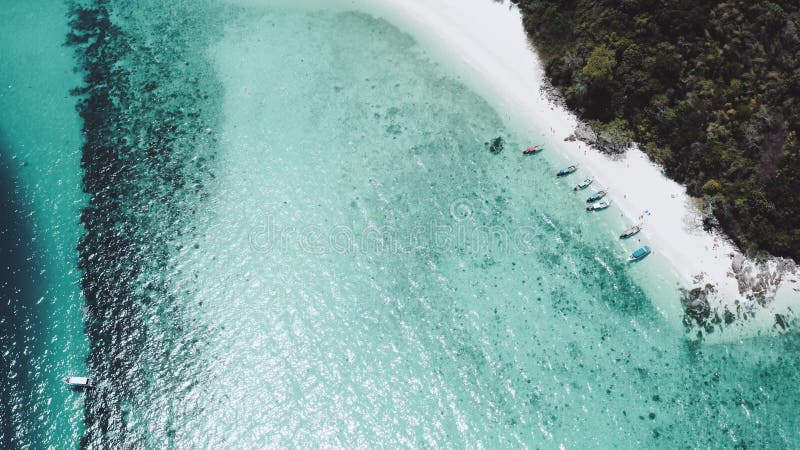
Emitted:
<point x="710" y="90"/>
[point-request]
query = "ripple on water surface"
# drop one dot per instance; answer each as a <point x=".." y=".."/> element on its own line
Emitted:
<point x="361" y="269"/>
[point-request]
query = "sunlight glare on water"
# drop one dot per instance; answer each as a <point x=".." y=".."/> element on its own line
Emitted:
<point x="301" y="238"/>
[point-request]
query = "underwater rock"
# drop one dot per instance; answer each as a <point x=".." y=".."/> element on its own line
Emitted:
<point x="780" y="320"/>
<point x="497" y="145"/>
<point x="145" y="158"/>
<point x="696" y="305"/>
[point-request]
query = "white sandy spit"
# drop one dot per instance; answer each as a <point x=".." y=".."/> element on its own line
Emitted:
<point x="487" y="44"/>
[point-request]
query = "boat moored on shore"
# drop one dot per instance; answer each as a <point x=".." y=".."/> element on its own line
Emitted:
<point x="639" y="253"/>
<point x="603" y="204"/>
<point x="596" y="196"/>
<point x="583" y="184"/>
<point x="630" y="232"/>
<point x="567" y="170"/>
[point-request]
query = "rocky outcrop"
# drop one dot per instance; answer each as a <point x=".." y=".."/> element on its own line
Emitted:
<point x="696" y="305"/>
<point x="759" y="281"/>
<point x="611" y="141"/>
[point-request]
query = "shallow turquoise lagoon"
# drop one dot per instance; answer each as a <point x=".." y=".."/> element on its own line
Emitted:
<point x="298" y="236"/>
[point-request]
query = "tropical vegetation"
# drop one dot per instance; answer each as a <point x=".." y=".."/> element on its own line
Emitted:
<point x="709" y="89"/>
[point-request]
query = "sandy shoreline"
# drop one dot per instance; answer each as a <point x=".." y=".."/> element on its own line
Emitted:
<point x="487" y="45"/>
<point x="487" y="39"/>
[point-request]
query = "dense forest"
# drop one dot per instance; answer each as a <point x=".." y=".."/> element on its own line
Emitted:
<point x="710" y="90"/>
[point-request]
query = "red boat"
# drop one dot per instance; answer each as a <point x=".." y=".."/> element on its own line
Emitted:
<point x="532" y="150"/>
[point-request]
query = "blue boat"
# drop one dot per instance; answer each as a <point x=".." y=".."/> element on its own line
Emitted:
<point x="583" y="184"/>
<point x="640" y="253"/>
<point x="567" y="170"/>
<point x="596" y="196"/>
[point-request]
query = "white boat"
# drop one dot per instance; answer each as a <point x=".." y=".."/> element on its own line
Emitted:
<point x="83" y="382"/>
<point x="583" y="184"/>
<point x="603" y="204"/>
<point x="630" y="232"/>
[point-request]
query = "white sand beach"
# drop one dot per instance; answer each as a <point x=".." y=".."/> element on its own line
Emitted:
<point x="487" y="45"/>
<point x="488" y="41"/>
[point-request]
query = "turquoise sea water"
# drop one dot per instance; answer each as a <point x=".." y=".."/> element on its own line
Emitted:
<point x="298" y="237"/>
<point x="41" y="326"/>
